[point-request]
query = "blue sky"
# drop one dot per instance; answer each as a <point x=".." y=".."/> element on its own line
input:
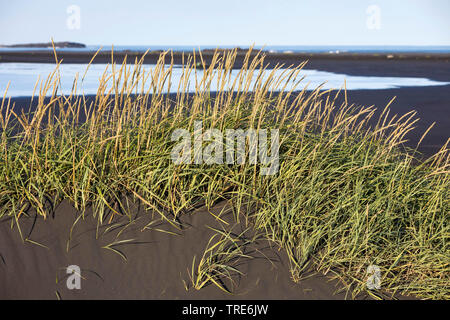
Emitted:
<point x="227" y="22"/>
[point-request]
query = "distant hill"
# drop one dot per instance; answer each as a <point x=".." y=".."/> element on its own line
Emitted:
<point x="64" y="44"/>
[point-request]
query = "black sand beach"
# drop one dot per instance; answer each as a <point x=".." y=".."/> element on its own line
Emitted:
<point x="158" y="262"/>
<point x="432" y="66"/>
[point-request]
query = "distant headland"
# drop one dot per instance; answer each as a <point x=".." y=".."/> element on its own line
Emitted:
<point x="64" y="44"/>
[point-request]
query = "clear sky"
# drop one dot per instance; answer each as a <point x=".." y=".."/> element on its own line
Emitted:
<point x="227" y="22"/>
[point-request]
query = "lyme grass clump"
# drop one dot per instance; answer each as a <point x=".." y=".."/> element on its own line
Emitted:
<point x="347" y="194"/>
<point x="221" y="259"/>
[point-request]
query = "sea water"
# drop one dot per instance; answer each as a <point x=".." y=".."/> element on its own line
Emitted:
<point x="278" y="48"/>
<point x="22" y="78"/>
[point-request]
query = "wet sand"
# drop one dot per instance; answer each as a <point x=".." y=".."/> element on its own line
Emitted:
<point x="432" y="104"/>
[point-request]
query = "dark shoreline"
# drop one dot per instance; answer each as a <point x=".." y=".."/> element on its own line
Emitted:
<point x="432" y="66"/>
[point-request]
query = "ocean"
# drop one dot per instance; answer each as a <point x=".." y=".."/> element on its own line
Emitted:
<point x="279" y="48"/>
